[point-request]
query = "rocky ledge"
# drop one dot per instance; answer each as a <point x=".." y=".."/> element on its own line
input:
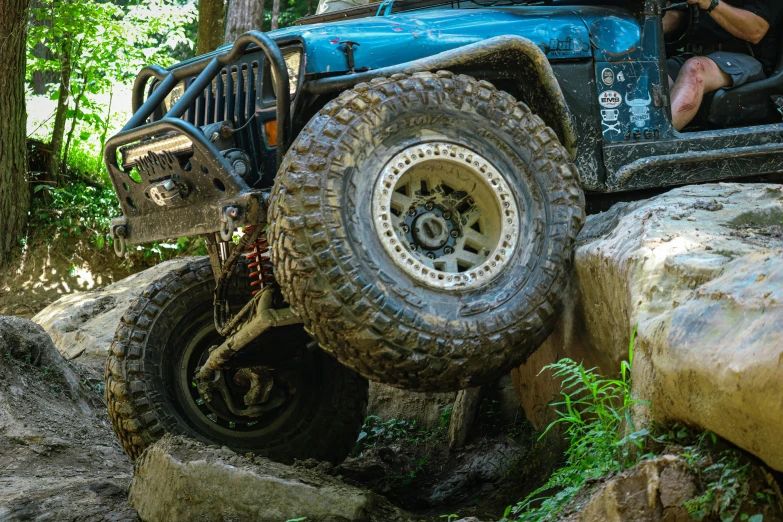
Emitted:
<point x="698" y="272"/>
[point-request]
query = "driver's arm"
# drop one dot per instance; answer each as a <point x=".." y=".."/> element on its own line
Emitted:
<point x="739" y="22"/>
<point x="673" y="21"/>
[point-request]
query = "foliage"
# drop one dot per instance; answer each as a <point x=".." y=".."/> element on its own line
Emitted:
<point x="78" y="209"/>
<point x="595" y="416"/>
<point x="375" y="431"/>
<point x="725" y="495"/>
<point x="98" y="45"/>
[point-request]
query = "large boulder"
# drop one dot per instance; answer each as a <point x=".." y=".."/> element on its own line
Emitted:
<point x="699" y="272"/>
<point x="178" y="479"/>
<point x="83" y="323"/>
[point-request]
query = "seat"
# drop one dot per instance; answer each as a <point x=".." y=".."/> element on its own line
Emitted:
<point x="749" y="104"/>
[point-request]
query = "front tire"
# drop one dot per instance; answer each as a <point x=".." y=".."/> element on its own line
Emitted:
<point x="423" y="226"/>
<point x="167" y="333"/>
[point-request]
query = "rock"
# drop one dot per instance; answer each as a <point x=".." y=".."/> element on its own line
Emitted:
<point x="58" y="457"/>
<point x="465" y="409"/>
<point x="177" y="479"/>
<point x="652" y="491"/>
<point x="83" y="323"/>
<point x="428" y="409"/>
<point x="426" y="474"/>
<point x="26" y="341"/>
<point x="707" y="297"/>
<point x="392" y="403"/>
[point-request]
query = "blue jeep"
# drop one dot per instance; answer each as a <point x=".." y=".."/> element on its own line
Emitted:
<point x="408" y="178"/>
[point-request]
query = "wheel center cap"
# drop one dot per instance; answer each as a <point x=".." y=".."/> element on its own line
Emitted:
<point x="431" y="231"/>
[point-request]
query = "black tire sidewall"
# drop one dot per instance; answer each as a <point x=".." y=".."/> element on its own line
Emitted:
<point x="291" y="434"/>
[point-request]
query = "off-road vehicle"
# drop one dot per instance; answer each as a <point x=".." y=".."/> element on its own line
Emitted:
<point x="390" y="192"/>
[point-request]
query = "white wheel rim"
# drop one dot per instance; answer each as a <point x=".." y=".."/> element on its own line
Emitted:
<point x="446" y="216"/>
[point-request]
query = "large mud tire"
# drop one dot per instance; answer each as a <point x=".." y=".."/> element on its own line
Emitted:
<point x="362" y="306"/>
<point x="144" y="401"/>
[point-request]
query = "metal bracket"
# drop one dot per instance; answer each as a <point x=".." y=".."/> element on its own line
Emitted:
<point x="348" y="48"/>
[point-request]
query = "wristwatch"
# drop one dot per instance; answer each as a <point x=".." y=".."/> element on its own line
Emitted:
<point x="712" y="6"/>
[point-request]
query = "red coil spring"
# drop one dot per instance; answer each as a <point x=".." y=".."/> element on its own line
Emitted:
<point x="260" y="264"/>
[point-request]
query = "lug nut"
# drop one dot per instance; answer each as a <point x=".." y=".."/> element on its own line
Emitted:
<point x="454" y="233"/>
<point x="430" y="255"/>
<point x="448" y="250"/>
<point x="447" y="215"/>
<point x="429" y="205"/>
<point x="412" y="211"/>
<point x="405" y="228"/>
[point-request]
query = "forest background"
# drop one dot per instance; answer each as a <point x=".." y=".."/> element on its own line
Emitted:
<point x="65" y="80"/>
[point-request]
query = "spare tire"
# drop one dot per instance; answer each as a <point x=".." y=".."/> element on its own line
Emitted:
<point x="316" y="405"/>
<point x="423" y="227"/>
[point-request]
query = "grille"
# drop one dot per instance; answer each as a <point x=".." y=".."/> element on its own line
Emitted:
<point x="234" y="95"/>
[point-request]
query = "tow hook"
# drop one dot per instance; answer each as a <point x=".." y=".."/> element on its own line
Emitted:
<point x="227" y="227"/>
<point x="118" y="234"/>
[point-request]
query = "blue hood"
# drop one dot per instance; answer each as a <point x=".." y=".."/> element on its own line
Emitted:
<point x="562" y="33"/>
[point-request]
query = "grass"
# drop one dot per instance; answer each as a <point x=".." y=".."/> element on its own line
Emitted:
<point x="594" y="413"/>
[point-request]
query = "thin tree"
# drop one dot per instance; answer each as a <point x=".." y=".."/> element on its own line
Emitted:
<point x="63" y="104"/>
<point x="14" y="190"/>
<point x="211" y="15"/>
<point x="275" y="13"/>
<point x="243" y="16"/>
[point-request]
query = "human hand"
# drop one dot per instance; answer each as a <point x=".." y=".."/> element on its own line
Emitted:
<point x="703" y="4"/>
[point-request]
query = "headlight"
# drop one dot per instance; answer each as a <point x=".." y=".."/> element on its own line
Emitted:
<point x="174" y="96"/>
<point x="293" y="61"/>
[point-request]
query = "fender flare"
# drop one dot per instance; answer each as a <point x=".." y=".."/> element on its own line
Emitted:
<point x="510" y="52"/>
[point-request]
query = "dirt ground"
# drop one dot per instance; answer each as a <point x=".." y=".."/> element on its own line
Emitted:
<point x="60" y="461"/>
<point x="58" y="458"/>
<point x="52" y="265"/>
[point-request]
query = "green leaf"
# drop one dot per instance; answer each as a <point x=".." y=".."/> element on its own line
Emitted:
<point x="39" y="188"/>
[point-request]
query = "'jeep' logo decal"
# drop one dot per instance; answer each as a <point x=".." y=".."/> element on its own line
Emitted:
<point x="610" y="99"/>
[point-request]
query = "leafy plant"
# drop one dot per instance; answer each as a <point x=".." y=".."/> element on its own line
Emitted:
<point x="76" y="209"/>
<point x="376" y="431"/>
<point x="85" y="211"/>
<point x="595" y="414"/>
<point x="88" y="46"/>
<point x="725" y="495"/>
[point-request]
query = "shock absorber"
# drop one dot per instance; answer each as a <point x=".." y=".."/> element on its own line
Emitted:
<point x="260" y="265"/>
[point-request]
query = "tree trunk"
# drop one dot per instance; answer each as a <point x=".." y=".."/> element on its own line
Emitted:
<point x="275" y="13"/>
<point x="107" y="121"/>
<point x="243" y="16"/>
<point x="41" y="79"/>
<point x="58" y="132"/>
<point x="211" y="14"/>
<point x="14" y="190"/>
<point x="69" y="140"/>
